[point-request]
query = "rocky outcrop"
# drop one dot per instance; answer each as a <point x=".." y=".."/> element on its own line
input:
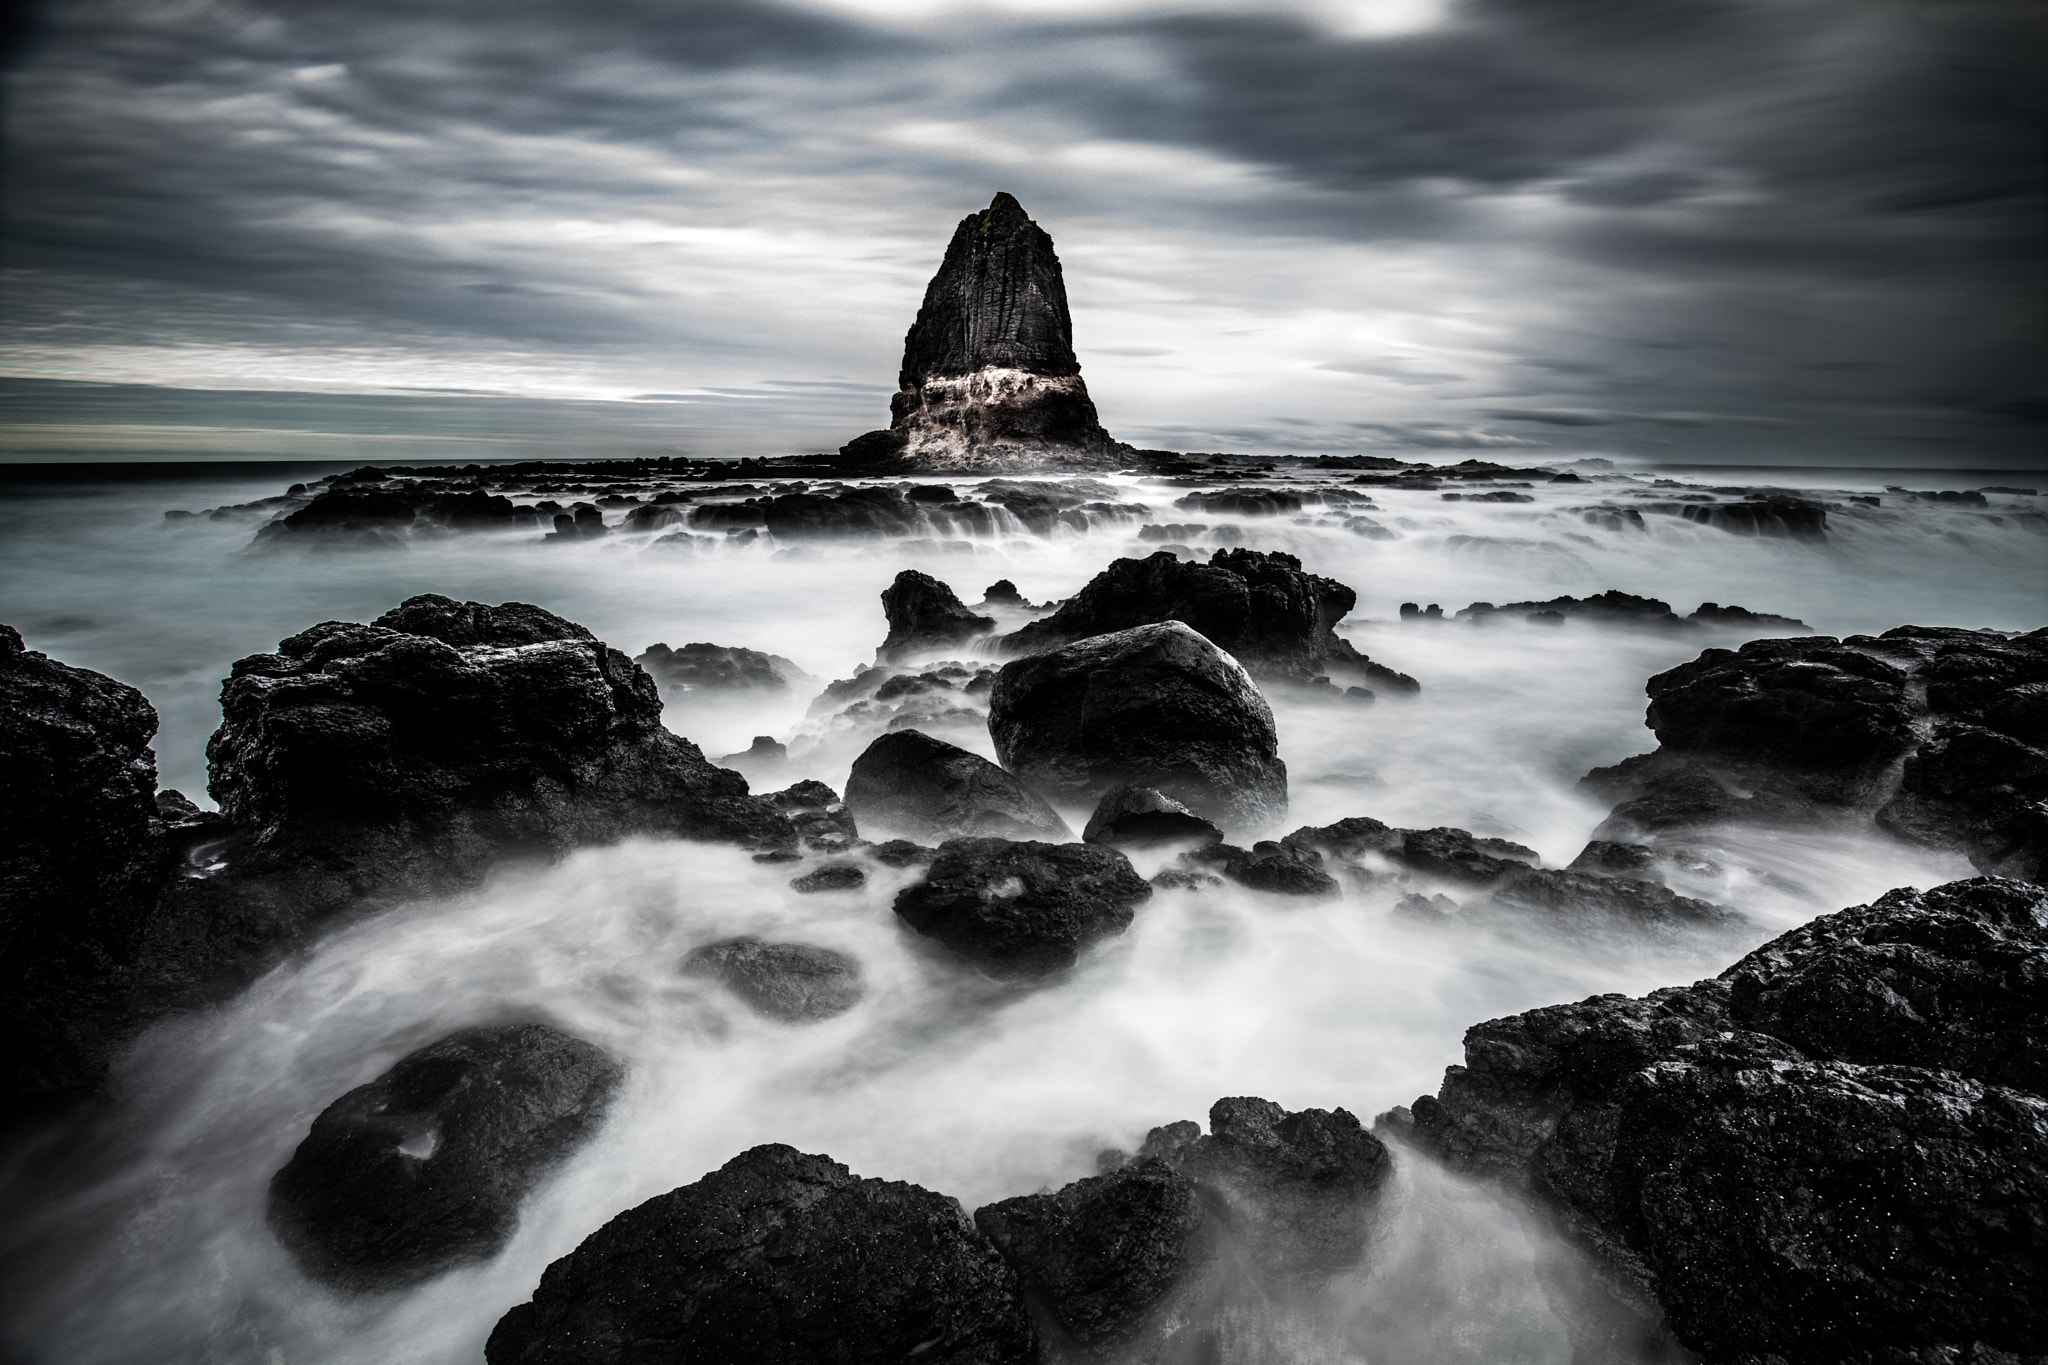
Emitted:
<point x="793" y="982"/>
<point x="1158" y="706"/>
<point x="924" y="617"/>
<point x="924" y="788"/>
<point x="717" y="669"/>
<point x="1775" y="516"/>
<point x="1622" y="609"/>
<point x="1139" y="817"/>
<point x="776" y="1257"/>
<point x="1835" y="1151"/>
<point x="425" y="1167"/>
<point x="1285" y="869"/>
<point x="1259" y="607"/>
<point x="1022" y="909"/>
<point x="989" y="379"/>
<point x="1940" y="735"/>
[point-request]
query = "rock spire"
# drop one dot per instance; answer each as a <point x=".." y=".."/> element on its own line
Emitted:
<point x="989" y="378"/>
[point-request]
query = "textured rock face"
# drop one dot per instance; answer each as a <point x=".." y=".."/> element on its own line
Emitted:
<point x="925" y="788"/>
<point x="793" y="982"/>
<point x="1269" y="615"/>
<point x="1136" y="817"/>
<point x="1837" y="1150"/>
<point x="1158" y="706"/>
<point x="776" y="1258"/>
<point x="82" y="855"/>
<point x="425" y="1167"/>
<point x="989" y="378"/>
<point x="1022" y="909"/>
<point x="1938" y="734"/>
<point x="925" y="615"/>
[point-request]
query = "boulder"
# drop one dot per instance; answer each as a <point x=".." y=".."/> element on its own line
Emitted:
<point x="1104" y="1255"/>
<point x="425" y="1167"/>
<point x="989" y="379"/>
<point x="925" y="788"/>
<point x="1158" y="706"/>
<point x="1022" y="909"/>
<point x="702" y="667"/>
<point x="1837" y="1150"/>
<point x="1130" y="816"/>
<point x="925" y="616"/>
<point x="1261" y="608"/>
<point x="1284" y="869"/>
<point x="820" y="820"/>
<point x="776" y="1258"/>
<point x="831" y="877"/>
<point x="793" y="982"/>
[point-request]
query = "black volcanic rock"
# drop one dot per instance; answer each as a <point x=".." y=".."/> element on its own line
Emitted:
<point x="989" y="378"/>
<point x="925" y="788"/>
<point x="703" y="667"/>
<point x="1776" y="517"/>
<point x="1835" y="1151"/>
<point x="1936" y="733"/>
<point x="425" y="1167"/>
<point x="1130" y="816"/>
<point x="1158" y="706"/>
<point x="1021" y="909"/>
<point x="1287" y="869"/>
<point x="925" y="615"/>
<point x="1259" y="607"/>
<point x="1104" y="1254"/>
<point x="776" y="1258"/>
<point x="793" y="982"/>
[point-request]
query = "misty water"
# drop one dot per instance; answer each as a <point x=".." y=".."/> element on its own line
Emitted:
<point x="143" y="1238"/>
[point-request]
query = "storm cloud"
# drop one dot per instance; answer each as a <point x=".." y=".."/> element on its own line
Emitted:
<point x="1712" y="228"/>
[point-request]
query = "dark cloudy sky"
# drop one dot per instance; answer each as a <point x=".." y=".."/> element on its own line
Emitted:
<point x="1733" y="229"/>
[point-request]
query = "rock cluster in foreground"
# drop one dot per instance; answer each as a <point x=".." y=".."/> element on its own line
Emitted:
<point x="1837" y="1150"/>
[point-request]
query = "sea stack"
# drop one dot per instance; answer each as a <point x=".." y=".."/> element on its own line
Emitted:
<point x="989" y="381"/>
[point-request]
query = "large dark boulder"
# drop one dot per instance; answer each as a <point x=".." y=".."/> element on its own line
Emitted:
<point x="1022" y="909"/>
<point x="1102" y="1255"/>
<point x="83" y="854"/>
<point x="1158" y="706"/>
<point x="1935" y="733"/>
<point x="425" y="1167"/>
<point x="1835" y="1151"/>
<point x="925" y="616"/>
<point x="989" y="378"/>
<point x="925" y="788"/>
<point x="776" y="1258"/>
<point x="1259" y="607"/>
<point x="793" y="982"/>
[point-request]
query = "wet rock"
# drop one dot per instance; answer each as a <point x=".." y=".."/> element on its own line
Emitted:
<point x="1603" y="858"/>
<point x="1836" y="1150"/>
<point x="1103" y="1255"/>
<point x="1773" y="517"/>
<point x="793" y="982"/>
<point x="425" y="1167"/>
<point x="928" y="789"/>
<point x="344" y="518"/>
<point x="1460" y="856"/>
<point x="902" y="853"/>
<point x="1742" y="618"/>
<point x="717" y="669"/>
<point x="1284" y="869"/>
<point x="1260" y="608"/>
<point x="924" y="617"/>
<point x="1139" y="817"/>
<point x="820" y="819"/>
<point x="831" y="877"/>
<point x="1157" y="706"/>
<point x="989" y="378"/>
<point x="1022" y="909"/>
<point x="777" y="1257"/>
<point x="1297" y="1187"/>
<point x="1565" y="895"/>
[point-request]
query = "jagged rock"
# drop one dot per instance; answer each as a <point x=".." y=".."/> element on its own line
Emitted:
<point x="1286" y="869"/>
<point x="821" y="820"/>
<point x="764" y="758"/>
<point x="344" y="518"/>
<point x="928" y="789"/>
<point x="1158" y="706"/>
<point x="1936" y="733"/>
<point x="901" y="853"/>
<point x="989" y="378"/>
<point x="788" y="981"/>
<point x="1453" y="855"/>
<point x="1297" y="1187"/>
<point x="1130" y="816"/>
<point x="1003" y="593"/>
<point x="1835" y="1151"/>
<point x="707" y="668"/>
<point x="1607" y="608"/>
<point x="1261" y="608"/>
<point x="1742" y="618"/>
<point x="924" y="616"/>
<point x="775" y="1258"/>
<point x="425" y="1167"/>
<point x="1022" y="909"/>
<point x="1104" y="1254"/>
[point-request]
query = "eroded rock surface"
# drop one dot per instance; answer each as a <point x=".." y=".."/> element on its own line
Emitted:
<point x="1021" y="909"/>
<point x="1158" y="706"/>
<point x="425" y="1167"/>
<point x="776" y="1258"/>
<point x="925" y="788"/>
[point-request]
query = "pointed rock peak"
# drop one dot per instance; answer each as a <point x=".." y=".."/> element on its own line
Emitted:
<point x="1004" y="215"/>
